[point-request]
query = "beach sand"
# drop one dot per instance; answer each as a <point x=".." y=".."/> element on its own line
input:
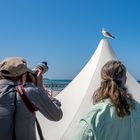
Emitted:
<point x="53" y="93"/>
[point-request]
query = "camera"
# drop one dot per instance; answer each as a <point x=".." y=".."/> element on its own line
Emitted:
<point x="43" y="66"/>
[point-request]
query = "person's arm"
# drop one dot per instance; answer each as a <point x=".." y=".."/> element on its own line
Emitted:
<point x="83" y="132"/>
<point x="38" y="96"/>
<point x="50" y="109"/>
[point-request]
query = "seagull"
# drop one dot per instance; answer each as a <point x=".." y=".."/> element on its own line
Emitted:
<point x="107" y="34"/>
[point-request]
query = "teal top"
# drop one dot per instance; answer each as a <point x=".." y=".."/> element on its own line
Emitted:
<point x="102" y="123"/>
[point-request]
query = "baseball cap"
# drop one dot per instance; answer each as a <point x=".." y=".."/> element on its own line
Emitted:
<point x="13" y="67"/>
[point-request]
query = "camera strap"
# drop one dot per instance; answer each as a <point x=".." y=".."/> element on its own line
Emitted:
<point x="23" y="95"/>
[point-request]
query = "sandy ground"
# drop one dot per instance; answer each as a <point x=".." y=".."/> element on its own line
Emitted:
<point x="53" y="93"/>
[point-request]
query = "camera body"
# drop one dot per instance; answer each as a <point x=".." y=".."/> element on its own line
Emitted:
<point x="41" y="66"/>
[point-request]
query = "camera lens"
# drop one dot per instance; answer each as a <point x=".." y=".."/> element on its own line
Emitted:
<point x="43" y="66"/>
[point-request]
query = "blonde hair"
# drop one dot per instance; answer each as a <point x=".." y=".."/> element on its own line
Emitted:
<point x="113" y="75"/>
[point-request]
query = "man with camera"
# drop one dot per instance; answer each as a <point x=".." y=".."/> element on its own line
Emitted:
<point x="20" y="98"/>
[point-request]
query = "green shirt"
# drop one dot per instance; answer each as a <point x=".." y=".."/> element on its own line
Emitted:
<point x="102" y="123"/>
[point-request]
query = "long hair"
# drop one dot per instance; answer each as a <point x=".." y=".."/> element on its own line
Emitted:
<point x="113" y="75"/>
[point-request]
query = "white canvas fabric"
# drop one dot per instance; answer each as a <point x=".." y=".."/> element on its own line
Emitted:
<point x="76" y="98"/>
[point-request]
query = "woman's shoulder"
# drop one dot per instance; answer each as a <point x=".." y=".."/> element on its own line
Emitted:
<point x="98" y="110"/>
<point x="101" y="105"/>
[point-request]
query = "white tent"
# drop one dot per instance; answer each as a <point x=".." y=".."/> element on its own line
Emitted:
<point x="76" y="98"/>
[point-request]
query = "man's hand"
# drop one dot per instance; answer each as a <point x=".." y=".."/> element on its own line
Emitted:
<point x="39" y="79"/>
<point x="57" y="102"/>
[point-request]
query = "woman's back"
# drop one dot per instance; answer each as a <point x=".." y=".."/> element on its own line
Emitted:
<point x="102" y="123"/>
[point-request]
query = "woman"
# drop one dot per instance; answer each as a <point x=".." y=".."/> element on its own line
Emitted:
<point x="115" y="115"/>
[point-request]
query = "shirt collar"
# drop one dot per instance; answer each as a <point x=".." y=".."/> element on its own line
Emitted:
<point x="7" y="82"/>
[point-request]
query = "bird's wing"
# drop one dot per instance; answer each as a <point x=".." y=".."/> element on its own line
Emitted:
<point x="107" y="33"/>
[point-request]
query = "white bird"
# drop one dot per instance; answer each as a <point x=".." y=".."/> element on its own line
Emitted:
<point x="107" y="34"/>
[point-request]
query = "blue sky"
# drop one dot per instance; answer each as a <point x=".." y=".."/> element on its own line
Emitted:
<point x="65" y="33"/>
